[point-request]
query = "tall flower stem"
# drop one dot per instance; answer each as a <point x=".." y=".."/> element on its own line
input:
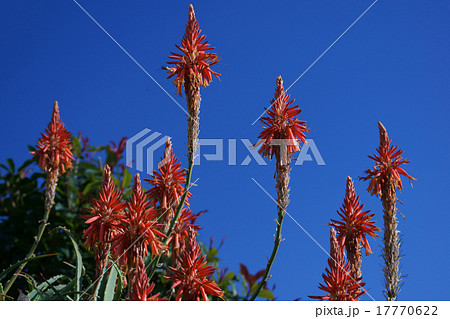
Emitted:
<point x="282" y="183"/>
<point x="384" y="181"/>
<point x="50" y="187"/>
<point x="193" y="99"/>
<point x="54" y="150"/>
<point x="391" y="240"/>
<point x="192" y="69"/>
<point x="280" y="137"/>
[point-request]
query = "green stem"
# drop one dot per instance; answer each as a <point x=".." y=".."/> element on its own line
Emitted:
<point x="50" y="189"/>
<point x="276" y="245"/>
<point x="187" y="185"/>
<point x="43" y="224"/>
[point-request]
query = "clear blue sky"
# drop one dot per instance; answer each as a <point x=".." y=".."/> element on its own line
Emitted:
<point x="392" y="66"/>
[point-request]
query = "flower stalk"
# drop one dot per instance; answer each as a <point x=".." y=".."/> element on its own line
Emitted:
<point x="354" y="227"/>
<point x="54" y="151"/>
<point x="192" y="69"/>
<point x="281" y="138"/>
<point x="384" y="181"/>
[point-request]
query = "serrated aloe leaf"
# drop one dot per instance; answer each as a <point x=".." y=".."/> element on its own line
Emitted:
<point x="17" y="264"/>
<point x="79" y="270"/>
<point x="40" y="290"/>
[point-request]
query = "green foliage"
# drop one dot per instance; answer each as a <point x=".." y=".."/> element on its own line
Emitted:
<point x="111" y="283"/>
<point x="69" y="267"/>
<point x="79" y="268"/>
<point x="22" y="207"/>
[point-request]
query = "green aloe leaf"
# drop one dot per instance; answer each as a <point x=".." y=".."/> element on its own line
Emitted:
<point x="30" y="280"/>
<point x="40" y="291"/>
<point x="79" y="270"/>
<point x="17" y="264"/>
<point x="100" y="291"/>
<point x="11" y="165"/>
<point x="110" y="285"/>
<point x="120" y="282"/>
<point x="2" y="298"/>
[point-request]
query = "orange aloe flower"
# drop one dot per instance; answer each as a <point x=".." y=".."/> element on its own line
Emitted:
<point x="104" y="212"/>
<point x="354" y="226"/>
<point x="137" y="229"/>
<point x="103" y="220"/>
<point x="167" y="184"/>
<point x="191" y="277"/>
<point x="54" y="148"/>
<point x="195" y="61"/>
<point x="180" y="234"/>
<point x="340" y="281"/>
<point x="140" y="290"/>
<point x="387" y="165"/>
<point x="281" y="124"/>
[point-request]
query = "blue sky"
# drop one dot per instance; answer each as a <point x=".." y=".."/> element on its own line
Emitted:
<point x="391" y="66"/>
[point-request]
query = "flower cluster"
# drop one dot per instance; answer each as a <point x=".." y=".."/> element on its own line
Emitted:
<point x="180" y="234"/>
<point x="195" y="61"/>
<point x="54" y="148"/>
<point x="340" y="281"/>
<point x="103" y="220"/>
<point x="191" y="277"/>
<point x="281" y="125"/>
<point x="355" y="224"/>
<point x="140" y="288"/>
<point x="167" y="182"/>
<point x="137" y="230"/>
<point x="342" y="278"/>
<point x="387" y="165"/>
<point x="104" y="213"/>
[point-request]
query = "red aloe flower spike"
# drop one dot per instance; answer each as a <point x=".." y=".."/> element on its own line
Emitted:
<point x="54" y="150"/>
<point x="177" y="240"/>
<point x="384" y="181"/>
<point x="281" y="125"/>
<point x="387" y="166"/>
<point x="281" y="137"/>
<point x="140" y="290"/>
<point x="354" y="226"/>
<point x="103" y="219"/>
<point x="192" y="275"/>
<point x="167" y="185"/>
<point x="339" y="281"/>
<point x="194" y="64"/>
<point x="192" y="69"/>
<point x="137" y="230"/>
